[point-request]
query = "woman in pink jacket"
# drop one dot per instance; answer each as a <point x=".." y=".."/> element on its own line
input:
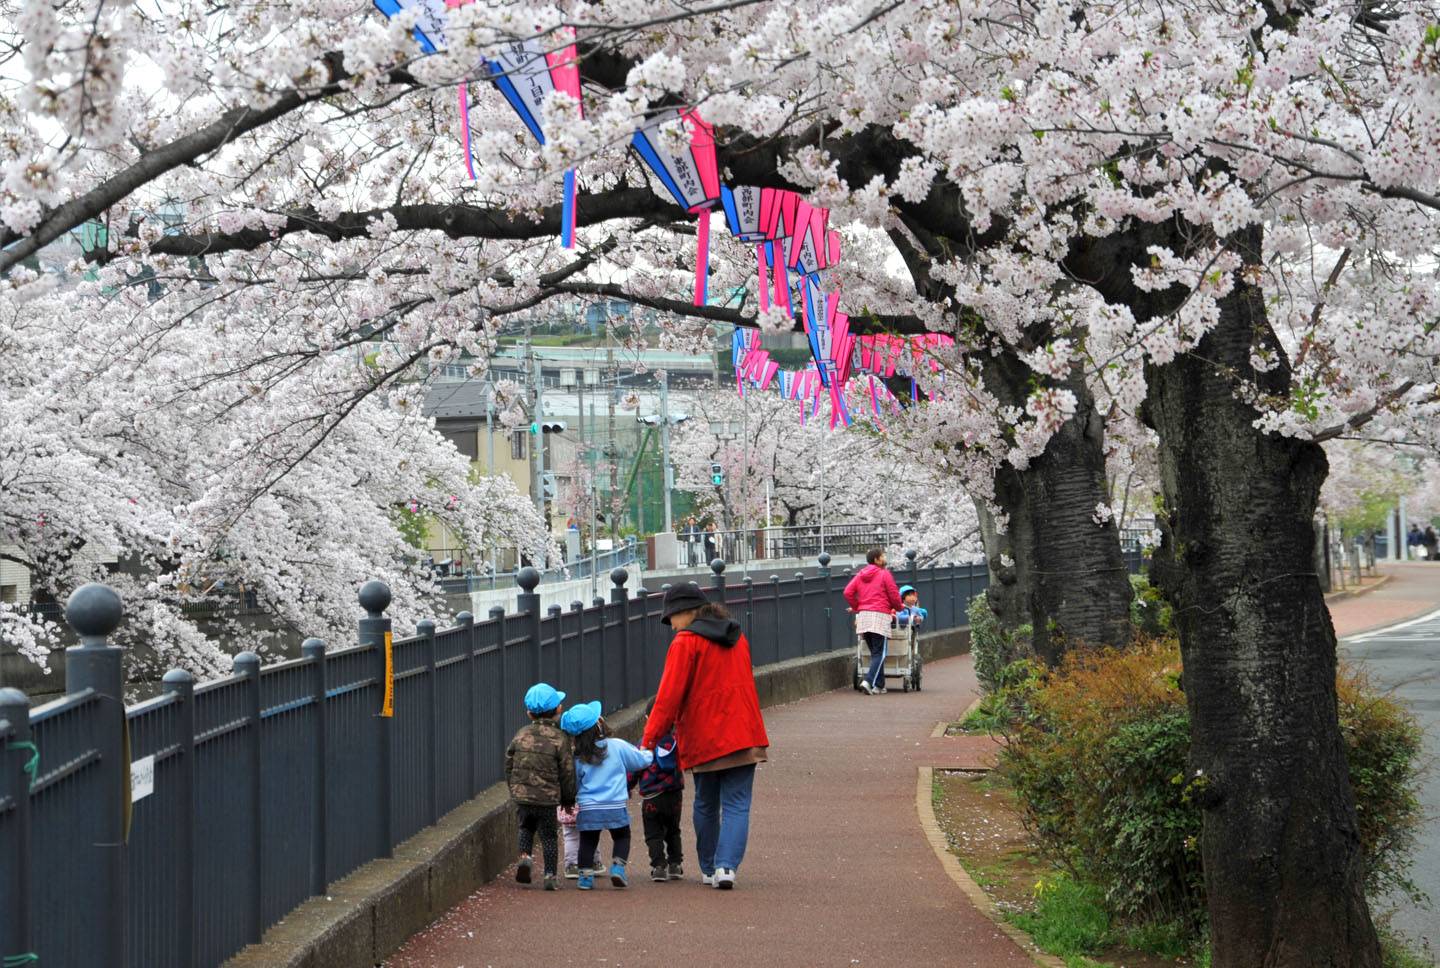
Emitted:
<point x="874" y="599"/>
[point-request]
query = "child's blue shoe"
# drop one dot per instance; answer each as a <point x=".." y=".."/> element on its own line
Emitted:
<point x="586" y="881"/>
<point x="617" y="874"/>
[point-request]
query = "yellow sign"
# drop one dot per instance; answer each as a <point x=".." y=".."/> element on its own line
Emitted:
<point x="387" y="709"/>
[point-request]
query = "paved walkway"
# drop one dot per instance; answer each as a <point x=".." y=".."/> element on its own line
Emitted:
<point x="838" y="870"/>
<point x="1404" y="658"/>
<point x="1413" y="590"/>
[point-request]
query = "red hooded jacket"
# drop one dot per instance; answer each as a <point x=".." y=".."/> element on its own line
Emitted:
<point x="873" y="590"/>
<point x="707" y="693"/>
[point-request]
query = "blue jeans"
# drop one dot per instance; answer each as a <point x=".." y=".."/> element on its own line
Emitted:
<point x="722" y="816"/>
<point x="879" y="646"/>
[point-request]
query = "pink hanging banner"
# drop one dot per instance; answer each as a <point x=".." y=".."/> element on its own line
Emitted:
<point x="764" y="287"/>
<point x="702" y="257"/>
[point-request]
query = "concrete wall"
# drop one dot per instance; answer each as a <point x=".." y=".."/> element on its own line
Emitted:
<point x="366" y="916"/>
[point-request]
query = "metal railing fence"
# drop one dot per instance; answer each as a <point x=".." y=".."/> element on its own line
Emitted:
<point x="172" y="833"/>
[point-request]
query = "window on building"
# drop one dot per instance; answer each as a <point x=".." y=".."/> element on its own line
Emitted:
<point x="8" y="593"/>
<point x="464" y="441"/>
<point x="517" y="445"/>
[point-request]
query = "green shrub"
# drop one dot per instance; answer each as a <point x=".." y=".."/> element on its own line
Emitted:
<point x="1150" y="613"/>
<point x="1097" y="752"/>
<point x="992" y="647"/>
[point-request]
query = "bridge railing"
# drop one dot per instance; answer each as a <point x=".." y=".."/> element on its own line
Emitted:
<point x="173" y="833"/>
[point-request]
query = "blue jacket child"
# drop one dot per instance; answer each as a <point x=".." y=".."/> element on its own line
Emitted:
<point x="602" y="764"/>
<point x="664" y="774"/>
<point x="912" y="612"/>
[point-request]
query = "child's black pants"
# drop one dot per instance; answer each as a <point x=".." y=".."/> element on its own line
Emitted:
<point x="661" y="817"/>
<point x="539" y="820"/>
<point x="590" y="843"/>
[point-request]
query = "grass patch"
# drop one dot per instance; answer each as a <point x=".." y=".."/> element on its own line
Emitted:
<point x="1397" y="951"/>
<point x="1068" y="918"/>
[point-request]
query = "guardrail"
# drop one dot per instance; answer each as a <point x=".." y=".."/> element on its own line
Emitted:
<point x="172" y="833"/>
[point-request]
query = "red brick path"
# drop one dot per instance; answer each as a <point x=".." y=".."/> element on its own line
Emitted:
<point x="838" y="872"/>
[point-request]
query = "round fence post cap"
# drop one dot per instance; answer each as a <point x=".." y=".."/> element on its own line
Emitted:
<point x="527" y="578"/>
<point x="910" y="555"/>
<point x="425" y="627"/>
<point x="824" y="559"/>
<point x="247" y="663"/>
<point x="375" y="597"/>
<point x="13" y="697"/>
<point x="94" y="610"/>
<point x="619" y="576"/>
<point x="718" y="566"/>
<point x="176" y="676"/>
<point x="312" y="647"/>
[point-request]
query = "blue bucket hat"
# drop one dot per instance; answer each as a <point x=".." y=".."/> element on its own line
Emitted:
<point x="542" y="697"/>
<point x="581" y="717"/>
<point x="906" y="589"/>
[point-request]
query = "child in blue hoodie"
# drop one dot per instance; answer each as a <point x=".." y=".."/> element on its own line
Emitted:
<point x="662" y="790"/>
<point x="601" y="766"/>
<point x="912" y="613"/>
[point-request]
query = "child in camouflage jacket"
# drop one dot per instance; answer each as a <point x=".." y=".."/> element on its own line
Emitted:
<point x="540" y="771"/>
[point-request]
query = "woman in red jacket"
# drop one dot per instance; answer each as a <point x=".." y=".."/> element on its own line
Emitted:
<point x="874" y="599"/>
<point x="707" y="693"/>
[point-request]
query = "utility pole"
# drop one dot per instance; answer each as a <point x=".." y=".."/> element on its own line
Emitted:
<point x="667" y="476"/>
<point x="537" y="450"/>
<point x="490" y="462"/>
<point x="610" y="429"/>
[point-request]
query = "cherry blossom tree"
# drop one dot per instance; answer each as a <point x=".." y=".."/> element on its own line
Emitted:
<point x="1216" y="221"/>
<point x="859" y="474"/>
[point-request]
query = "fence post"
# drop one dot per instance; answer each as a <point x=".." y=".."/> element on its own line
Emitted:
<point x="912" y="570"/>
<point x="466" y="621"/>
<point x="181" y="685"/>
<point x="94" y="611"/>
<point x="528" y="603"/>
<point x="247" y="664"/>
<point x="19" y="761"/>
<point x="374" y="630"/>
<point x="619" y="597"/>
<point x="800" y="615"/>
<point x="775" y="597"/>
<point x="717" y="581"/>
<point x="578" y="609"/>
<point x="749" y="584"/>
<point x="497" y="615"/>
<point x="425" y="628"/>
<point x="829" y="587"/>
<point x="314" y="650"/>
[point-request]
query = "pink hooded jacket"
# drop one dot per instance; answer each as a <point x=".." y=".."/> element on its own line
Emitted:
<point x="873" y="590"/>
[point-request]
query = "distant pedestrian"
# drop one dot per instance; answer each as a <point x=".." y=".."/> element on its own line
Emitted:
<point x="692" y="541"/>
<point x="711" y="537"/>
<point x="662" y="794"/>
<point x="1414" y="541"/>
<point x="874" y="599"/>
<point x="707" y="697"/>
<point x="602" y="764"/>
<point x="1432" y="543"/>
<point x="540" y="771"/>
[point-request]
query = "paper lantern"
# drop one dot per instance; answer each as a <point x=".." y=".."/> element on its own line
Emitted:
<point x="691" y="176"/>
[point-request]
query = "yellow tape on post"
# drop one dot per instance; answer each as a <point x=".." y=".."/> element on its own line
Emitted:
<point x="387" y="709"/>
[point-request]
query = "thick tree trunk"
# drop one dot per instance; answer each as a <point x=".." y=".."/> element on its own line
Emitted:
<point x="1281" y="852"/>
<point x="1065" y="574"/>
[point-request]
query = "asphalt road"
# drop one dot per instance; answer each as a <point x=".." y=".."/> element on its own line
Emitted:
<point x="1405" y="659"/>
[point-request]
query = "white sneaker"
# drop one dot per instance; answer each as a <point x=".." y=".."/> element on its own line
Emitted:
<point x="724" y="878"/>
<point x="880" y="692"/>
<point x="866" y="688"/>
<point x="707" y="879"/>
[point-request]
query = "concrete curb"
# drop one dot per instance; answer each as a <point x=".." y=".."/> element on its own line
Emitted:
<point x="368" y="914"/>
<point x="1356" y="593"/>
<point x="931" y="826"/>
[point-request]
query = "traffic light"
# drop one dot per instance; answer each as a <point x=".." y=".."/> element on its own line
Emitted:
<point x="717" y="475"/>
<point x="549" y="427"/>
<point x="547" y="485"/>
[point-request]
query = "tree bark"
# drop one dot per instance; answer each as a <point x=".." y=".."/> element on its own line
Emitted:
<point x="1280" y="848"/>
<point x="1067" y="576"/>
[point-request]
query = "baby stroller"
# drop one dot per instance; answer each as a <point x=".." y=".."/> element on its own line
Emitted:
<point x="902" y="658"/>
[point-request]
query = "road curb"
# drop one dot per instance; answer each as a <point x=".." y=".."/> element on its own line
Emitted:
<point x="931" y="826"/>
<point x="1356" y="593"/>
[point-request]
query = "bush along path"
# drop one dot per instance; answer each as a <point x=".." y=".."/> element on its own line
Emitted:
<point x="838" y="870"/>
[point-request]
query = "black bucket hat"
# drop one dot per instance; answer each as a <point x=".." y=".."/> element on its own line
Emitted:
<point x="682" y="598"/>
